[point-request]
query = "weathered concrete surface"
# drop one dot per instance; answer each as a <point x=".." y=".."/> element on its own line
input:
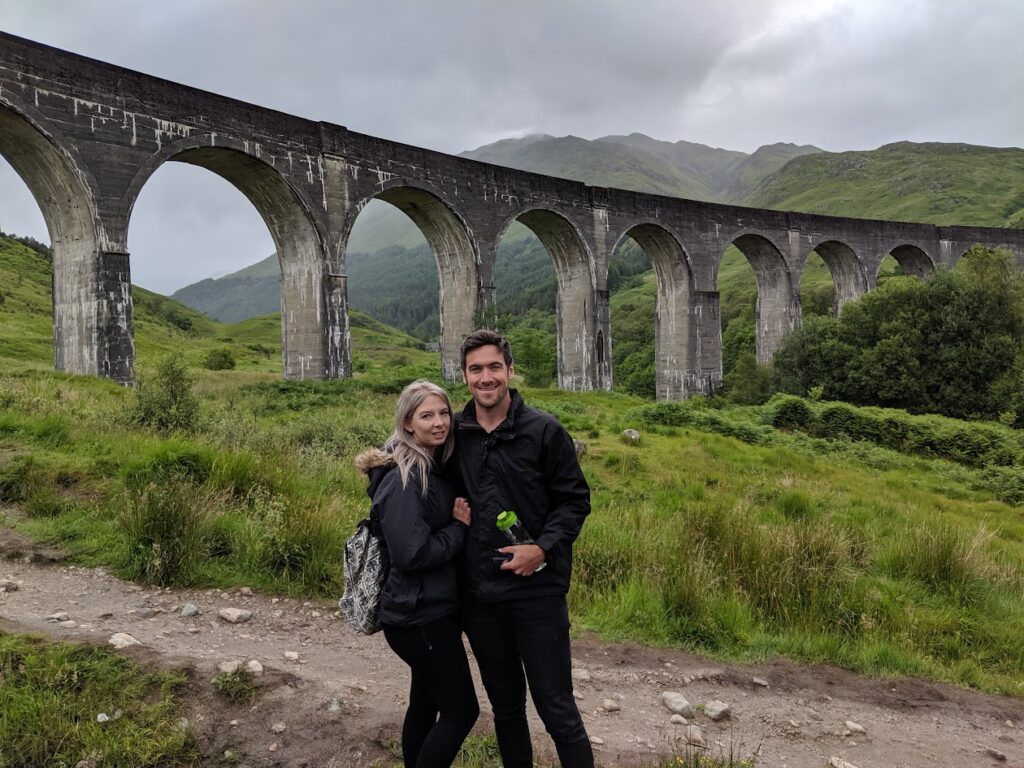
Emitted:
<point x="86" y="136"/>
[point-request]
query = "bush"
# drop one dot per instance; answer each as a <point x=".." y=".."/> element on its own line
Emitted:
<point x="791" y="413"/>
<point x="164" y="528"/>
<point x="164" y="399"/>
<point x="219" y="360"/>
<point x="840" y="420"/>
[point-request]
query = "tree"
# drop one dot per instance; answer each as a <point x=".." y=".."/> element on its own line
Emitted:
<point x="947" y="344"/>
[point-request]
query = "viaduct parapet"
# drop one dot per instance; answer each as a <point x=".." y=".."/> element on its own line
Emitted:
<point x="86" y="136"/>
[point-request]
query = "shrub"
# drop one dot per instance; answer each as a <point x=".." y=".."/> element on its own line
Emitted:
<point x="791" y="413"/>
<point x="840" y="420"/>
<point x="164" y="531"/>
<point x="164" y="399"/>
<point x="219" y="360"/>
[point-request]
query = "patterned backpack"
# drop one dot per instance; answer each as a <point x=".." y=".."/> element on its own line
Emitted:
<point x="366" y="570"/>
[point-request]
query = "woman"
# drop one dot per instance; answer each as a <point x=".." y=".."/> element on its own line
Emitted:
<point x="424" y="526"/>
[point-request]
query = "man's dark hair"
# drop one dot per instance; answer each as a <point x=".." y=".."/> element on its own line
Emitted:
<point x="485" y="338"/>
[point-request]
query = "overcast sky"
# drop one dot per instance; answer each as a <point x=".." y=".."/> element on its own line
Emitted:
<point x="455" y="74"/>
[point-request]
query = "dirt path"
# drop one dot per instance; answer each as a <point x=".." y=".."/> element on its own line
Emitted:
<point x="341" y="700"/>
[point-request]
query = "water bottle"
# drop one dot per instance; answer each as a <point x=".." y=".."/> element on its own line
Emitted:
<point x="508" y="522"/>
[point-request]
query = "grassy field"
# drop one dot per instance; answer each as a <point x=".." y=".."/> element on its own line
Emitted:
<point x="739" y="532"/>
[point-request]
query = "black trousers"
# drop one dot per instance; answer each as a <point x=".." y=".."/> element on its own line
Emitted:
<point x="442" y="699"/>
<point x="531" y="635"/>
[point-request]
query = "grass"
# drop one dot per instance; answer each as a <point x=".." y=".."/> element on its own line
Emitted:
<point x="717" y="532"/>
<point x="238" y="687"/>
<point x="53" y="695"/>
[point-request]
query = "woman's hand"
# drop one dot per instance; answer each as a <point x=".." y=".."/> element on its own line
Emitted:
<point x="461" y="511"/>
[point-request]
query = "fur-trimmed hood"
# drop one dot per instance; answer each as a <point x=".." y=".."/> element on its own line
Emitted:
<point x="374" y="457"/>
<point x="375" y="464"/>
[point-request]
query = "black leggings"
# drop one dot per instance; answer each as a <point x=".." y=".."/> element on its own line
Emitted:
<point x="441" y="684"/>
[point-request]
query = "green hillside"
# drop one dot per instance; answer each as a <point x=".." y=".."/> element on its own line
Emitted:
<point x="161" y="325"/>
<point x="253" y="291"/>
<point x="931" y="183"/>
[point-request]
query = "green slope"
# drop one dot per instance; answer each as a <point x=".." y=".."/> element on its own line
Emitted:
<point x="161" y="325"/>
<point x="931" y="183"/>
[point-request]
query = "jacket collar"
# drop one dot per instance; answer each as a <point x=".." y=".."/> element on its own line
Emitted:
<point x="515" y="408"/>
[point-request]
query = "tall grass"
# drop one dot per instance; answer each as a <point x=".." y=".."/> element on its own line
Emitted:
<point x="165" y="530"/>
<point x="717" y="532"/>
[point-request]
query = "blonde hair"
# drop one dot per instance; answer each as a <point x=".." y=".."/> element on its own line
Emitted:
<point x="408" y="453"/>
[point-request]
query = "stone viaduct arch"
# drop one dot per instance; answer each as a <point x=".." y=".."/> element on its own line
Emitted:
<point x="454" y="252"/>
<point x="86" y="135"/>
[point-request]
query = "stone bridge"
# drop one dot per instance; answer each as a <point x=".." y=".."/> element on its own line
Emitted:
<point x="86" y="136"/>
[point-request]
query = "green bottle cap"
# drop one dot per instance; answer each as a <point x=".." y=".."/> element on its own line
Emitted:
<point x="506" y="519"/>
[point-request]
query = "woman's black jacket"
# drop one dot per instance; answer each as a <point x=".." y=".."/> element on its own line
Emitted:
<point x="422" y="538"/>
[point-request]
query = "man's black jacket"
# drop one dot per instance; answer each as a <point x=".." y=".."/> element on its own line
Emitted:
<point x="527" y="464"/>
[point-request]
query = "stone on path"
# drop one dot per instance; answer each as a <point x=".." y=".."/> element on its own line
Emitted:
<point x="58" y="616"/>
<point x="596" y="741"/>
<point x="8" y="585"/>
<point x="678" y="720"/>
<point x="188" y="610"/>
<point x="234" y="615"/>
<point x="122" y="640"/>
<point x="278" y="728"/>
<point x="995" y="754"/>
<point x="838" y="762"/>
<point x="291" y="655"/>
<point x="853" y="727"/>
<point x="760" y="681"/>
<point x="695" y="736"/>
<point x="580" y="674"/>
<point x="69" y="624"/>
<point x="677" y="704"/>
<point x="229" y="667"/>
<point x="253" y="667"/>
<point x="610" y="705"/>
<point x="717" y="710"/>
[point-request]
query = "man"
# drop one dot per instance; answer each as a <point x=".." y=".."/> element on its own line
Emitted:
<point x="512" y="457"/>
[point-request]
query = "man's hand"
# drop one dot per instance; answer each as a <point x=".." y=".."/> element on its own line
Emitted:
<point x="526" y="558"/>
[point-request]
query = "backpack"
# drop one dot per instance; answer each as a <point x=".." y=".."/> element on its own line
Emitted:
<point x="366" y="570"/>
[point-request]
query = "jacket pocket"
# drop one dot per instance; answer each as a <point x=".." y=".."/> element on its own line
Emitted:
<point x="404" y="591"/>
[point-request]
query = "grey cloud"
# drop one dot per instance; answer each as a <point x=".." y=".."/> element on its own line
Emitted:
<point x="454" y="74"/>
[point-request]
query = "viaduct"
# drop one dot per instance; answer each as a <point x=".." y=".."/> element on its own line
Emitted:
<point x="86" y="136"/>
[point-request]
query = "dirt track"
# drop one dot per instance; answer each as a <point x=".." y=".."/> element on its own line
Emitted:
<point x="342" y="700"/>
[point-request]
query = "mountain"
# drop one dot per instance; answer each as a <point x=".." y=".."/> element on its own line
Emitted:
<point x="638" y="162"/>
<point x="932" y="183"/>
<point x="250" y="292"/>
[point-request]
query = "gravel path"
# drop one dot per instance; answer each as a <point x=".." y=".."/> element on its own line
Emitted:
<point x="340" y="696"/>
